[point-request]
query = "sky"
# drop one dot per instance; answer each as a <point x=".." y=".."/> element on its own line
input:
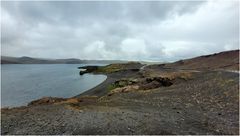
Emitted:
<point x="118" y="30"/>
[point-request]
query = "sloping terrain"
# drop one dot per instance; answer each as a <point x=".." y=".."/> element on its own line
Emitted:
<point x="157" y="99"/>
<point x="224" y="60"/>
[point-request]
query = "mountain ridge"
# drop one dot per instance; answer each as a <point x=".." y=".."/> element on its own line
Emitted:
<point x="228" y="60"/>
<point x="31" y="60"/>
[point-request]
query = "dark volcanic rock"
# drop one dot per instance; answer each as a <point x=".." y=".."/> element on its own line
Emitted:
<point x="87" y="69"/>
<point x="162" y="81"/>
<point x="199" y="103"/>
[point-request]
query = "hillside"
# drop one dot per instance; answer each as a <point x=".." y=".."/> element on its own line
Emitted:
<point x="29" y="60"/>
<point x="223" y="60"/>
<point x="182" y="98"/>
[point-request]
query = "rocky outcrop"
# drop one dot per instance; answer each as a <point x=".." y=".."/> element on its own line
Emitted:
<point x="127" y="85"/>
<point x="160" y="80"/>
<point x="87" y="69"/>
<point x="161" y="99"/>
<point x="130" y="66"/>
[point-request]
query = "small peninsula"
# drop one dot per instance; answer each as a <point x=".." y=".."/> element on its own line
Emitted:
<point x="193" y="96"/>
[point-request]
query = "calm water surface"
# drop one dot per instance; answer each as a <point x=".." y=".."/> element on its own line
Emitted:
<point x="21" y="84"/>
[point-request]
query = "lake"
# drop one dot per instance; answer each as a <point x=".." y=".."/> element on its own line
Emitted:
<point x="22" y="83"/>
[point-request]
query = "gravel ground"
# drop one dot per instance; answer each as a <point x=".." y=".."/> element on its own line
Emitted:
<point x="206" y="103"/>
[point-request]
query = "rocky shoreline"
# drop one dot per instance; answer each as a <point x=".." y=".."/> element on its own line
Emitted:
<point x="157" y="99"/>
<point x="101" y="89"/>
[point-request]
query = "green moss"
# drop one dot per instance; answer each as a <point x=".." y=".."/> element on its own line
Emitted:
<point x="118" y="67"/>
<point x="111" y="87"/>
<point x="121" y="83"/>
<point x="111" y="68"/>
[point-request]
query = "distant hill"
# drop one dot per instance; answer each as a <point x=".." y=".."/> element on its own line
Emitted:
<point x="224" y="60"/>
<point x="29" y="60"/>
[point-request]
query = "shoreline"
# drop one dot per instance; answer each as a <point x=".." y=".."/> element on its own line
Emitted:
<point x="98" y="90"/>
<point x="102" y="88"/>
<point x="95" y="89"/>
<point x="136" y="100"/>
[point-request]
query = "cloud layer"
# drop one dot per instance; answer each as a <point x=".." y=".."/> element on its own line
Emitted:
<point x="156" y="31"/>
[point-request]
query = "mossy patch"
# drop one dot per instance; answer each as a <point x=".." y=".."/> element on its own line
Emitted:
<point x="112" y="86"/>
<point x="121" y="83"/>
<point x="110" y="68"/>
<point x="118" y="67"/>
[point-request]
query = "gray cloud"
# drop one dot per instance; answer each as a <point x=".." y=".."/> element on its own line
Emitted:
<point x="159" y="31"/>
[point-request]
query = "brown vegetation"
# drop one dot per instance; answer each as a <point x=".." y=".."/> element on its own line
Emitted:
<point x="185" y="97"/>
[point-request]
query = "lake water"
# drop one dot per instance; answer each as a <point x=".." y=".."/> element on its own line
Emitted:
<point x="22" y="83"/>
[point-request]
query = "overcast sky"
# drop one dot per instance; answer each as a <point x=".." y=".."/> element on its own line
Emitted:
<point x="156" y="31"/>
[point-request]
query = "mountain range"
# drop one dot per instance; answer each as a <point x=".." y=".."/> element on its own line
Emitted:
<point x="30" y="60"/>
